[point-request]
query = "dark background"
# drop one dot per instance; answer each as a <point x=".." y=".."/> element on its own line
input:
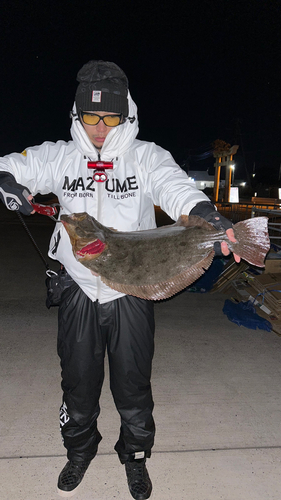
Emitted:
<point x="198" y="71"/>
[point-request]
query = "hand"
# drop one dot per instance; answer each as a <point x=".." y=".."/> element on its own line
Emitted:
<point x="206" y="210"/>
<point x="30" y="198"/>
<point x="224" y="247"/>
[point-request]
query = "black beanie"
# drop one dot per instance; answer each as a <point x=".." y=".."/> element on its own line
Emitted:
<point x="103" y="86"/>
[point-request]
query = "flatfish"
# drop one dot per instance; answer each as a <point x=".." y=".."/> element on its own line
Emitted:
<point x="158" y="263"/>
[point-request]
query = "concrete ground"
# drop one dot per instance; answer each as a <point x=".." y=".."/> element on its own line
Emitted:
<point x="216" y="389"/>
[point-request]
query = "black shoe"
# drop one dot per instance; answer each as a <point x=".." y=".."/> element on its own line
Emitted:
<point x="138" y="479"/>
<point x="70" y="477"/>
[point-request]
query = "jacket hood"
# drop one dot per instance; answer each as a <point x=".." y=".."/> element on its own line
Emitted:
<point x="117" y="142"/>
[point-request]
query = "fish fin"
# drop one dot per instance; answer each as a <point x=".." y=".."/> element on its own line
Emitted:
<point x="253" y="241"/>
<point x="194" y="221"/>
<point x="164" y="289"/>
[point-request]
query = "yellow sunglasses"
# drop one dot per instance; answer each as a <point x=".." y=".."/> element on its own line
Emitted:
<point x="108" y="120"/>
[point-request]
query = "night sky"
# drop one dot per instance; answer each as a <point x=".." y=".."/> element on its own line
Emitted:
<point x="198" y="71"/>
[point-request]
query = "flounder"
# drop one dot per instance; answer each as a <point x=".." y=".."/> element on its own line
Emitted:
<point x="158" y="263"/>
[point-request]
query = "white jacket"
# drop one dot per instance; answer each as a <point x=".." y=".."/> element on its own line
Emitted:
<point x="143" y="175"/>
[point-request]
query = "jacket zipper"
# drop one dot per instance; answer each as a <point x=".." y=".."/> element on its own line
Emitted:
<point x="99" y="213"/>
<point x="99" y="185"/>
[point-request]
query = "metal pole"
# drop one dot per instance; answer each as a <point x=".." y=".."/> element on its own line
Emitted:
<point x="217" y="179"/>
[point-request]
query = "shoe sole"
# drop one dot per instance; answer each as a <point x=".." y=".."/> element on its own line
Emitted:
<point x="68" y="494"/>
<point x="141" y="496"/>
<point x="150" y="497"/>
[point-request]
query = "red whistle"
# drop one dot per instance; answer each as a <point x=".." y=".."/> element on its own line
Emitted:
<point x="100" y="164"/>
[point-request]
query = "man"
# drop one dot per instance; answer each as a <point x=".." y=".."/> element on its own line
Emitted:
<point x="106" y="172"/>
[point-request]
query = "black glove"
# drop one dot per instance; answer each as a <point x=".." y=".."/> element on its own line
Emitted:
<point x="206" y="210"/>
<point x="14" y="195"/>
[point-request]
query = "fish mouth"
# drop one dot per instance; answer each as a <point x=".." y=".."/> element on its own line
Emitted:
<point x="93" y="249"/>
<point x="73" y="218"/>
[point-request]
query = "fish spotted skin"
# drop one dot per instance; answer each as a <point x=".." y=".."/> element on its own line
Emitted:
<point x="158" y="263"/>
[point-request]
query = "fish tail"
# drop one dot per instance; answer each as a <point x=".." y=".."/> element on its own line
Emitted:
<point x="252" y="240"/>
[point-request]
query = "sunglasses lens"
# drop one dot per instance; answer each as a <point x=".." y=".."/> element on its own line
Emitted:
<point x="90" y="119"/>
<point x="112" y="120"/>
<point x="109" y="120"/>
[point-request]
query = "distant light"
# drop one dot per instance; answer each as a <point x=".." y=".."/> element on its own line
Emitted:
<point x="254" y="175"/>
<point x="243" y="184"/>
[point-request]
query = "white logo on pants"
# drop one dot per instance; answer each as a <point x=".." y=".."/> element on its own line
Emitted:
<point x="64" y="417"/>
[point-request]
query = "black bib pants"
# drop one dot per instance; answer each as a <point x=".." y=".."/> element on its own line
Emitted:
<point x="125" y="327"/>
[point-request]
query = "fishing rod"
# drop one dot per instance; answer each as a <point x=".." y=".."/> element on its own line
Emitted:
<point x="56" y="282"/>
<point x="50" y="211"/>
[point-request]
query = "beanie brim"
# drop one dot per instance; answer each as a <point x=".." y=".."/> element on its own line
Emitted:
<point x="93" y="100"/>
